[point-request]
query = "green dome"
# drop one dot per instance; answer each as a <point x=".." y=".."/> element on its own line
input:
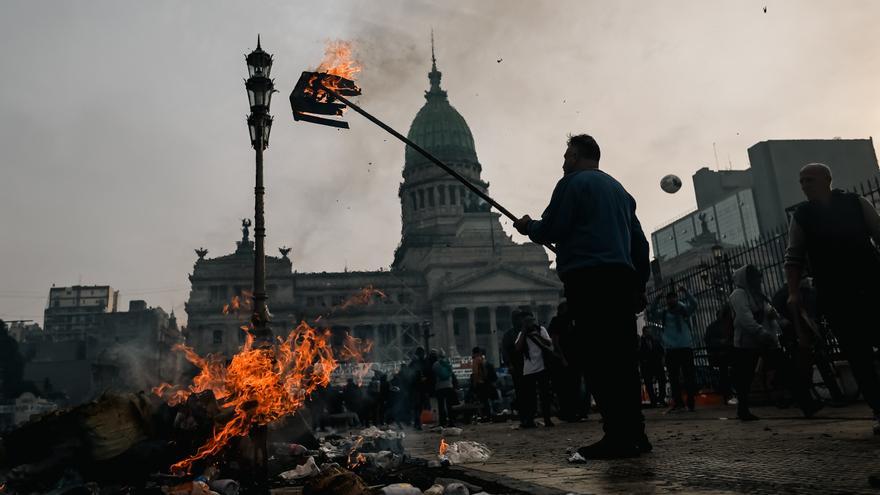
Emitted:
<point x="440" y="129"/>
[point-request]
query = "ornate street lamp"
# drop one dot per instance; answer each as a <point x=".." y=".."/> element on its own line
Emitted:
<point x="259" y="89"/>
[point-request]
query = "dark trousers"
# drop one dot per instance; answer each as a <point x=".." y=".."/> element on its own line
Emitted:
<point x="852" y="315"/>
<point x="723" y="360"/>
<point x="680" y="364"/>
<point x="602" y="303"/>
<point x="445" y="397"/>
<point x="534" y="385"/>
<point x="568" y="385"/>
<point x="652" y="372"/>
<point x="744" y="374"/>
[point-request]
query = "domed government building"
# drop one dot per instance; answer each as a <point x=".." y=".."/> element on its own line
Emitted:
<point x="455" y="278"/>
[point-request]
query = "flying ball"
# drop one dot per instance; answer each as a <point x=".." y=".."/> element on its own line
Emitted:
<point x="670" y="183"/>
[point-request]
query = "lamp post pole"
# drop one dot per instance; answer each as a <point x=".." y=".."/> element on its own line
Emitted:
<point x="259" y="89"/>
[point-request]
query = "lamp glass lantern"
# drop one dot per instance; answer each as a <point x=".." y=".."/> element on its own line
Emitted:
<point x="259" y="62"/>
<point x="260" y="125"/>
<point x="260" y="89"/>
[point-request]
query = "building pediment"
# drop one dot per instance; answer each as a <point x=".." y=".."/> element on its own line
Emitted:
<point x="499" y="278"/>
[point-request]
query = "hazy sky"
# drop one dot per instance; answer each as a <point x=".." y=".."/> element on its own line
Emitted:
<point x="124" y="146"/>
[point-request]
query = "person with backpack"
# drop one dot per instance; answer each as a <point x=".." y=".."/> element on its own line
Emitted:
<point x="719" y="346"/>
<point x="678" y="343"/>
<point x="443" y="388"/>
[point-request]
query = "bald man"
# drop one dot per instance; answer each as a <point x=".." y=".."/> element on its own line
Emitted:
<point x="833" y="229"/>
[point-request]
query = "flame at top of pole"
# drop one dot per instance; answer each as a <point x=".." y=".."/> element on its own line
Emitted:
<point x="339" y="60"/>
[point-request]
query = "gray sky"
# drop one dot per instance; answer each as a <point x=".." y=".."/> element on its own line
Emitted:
<point x="123" y="144"/>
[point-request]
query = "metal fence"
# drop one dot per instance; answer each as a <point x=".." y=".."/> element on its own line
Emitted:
<point x="711" y="282"/>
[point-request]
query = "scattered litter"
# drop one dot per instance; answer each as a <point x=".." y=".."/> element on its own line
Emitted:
<point x="400" y="489"/>
<point x="303" y="471"/>
<point x="576" y="458"/>
<point x="225" y="487"/>
<point x="435" y="490"/>
<point x="467" y="451"/>
<point x="451" y="432"/>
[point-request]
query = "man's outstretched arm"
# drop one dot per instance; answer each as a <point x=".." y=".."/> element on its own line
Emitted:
<point x="555" y="222"/>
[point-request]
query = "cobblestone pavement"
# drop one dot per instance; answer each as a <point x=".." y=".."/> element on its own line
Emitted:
<point x="705" y="452"/>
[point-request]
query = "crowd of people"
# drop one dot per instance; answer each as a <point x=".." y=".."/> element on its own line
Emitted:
<point x="591" y="350"/>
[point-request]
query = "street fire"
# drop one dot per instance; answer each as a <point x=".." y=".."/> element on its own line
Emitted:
<point x="262" y="383"/>
<point x="443" y="447"/>
<point x="356" y="458"/>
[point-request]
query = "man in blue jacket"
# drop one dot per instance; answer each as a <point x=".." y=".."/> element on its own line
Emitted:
<point x="679" y="345"/>
<point x="602" y="260"/>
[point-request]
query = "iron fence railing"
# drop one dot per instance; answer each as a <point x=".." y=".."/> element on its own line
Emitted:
<point x="711" y="282"/>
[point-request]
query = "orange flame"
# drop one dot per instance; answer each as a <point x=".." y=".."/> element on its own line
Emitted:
<point x="338" y="64"/>
<point x="261" y="383"/>
<point x="338" y="60"/>
<point x="443" y="447"/>
<point x="359" y="459"/>
<point x="237" y="303"/>
<point x="364" y="297"/>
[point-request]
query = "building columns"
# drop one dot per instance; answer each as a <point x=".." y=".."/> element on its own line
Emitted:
<point x="451" y="347"/>
<point x="472" y="328"/>
<point x="398" y="338"/>
<point x="493" y="336"/>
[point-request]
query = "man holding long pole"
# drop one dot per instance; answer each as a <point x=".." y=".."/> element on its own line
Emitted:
<point x="603" y="263"/>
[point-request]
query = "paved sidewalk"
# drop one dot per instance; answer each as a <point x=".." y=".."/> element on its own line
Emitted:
<point x="705" y="452"/>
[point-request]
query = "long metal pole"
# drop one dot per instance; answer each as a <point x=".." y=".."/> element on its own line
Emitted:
<point x="260" y="317"/>
<point x="427" y="155"/>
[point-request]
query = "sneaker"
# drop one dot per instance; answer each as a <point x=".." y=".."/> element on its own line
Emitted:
<point x="732" y="401"/>
<point x="674" y="410"/>
<point x="608" y="449"/>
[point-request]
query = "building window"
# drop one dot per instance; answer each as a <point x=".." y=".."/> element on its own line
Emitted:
<point x="414" y="202"/>
<point x="441" y="192"/>
<point x="218" y="336"/>
<point x="421" y="198"/>
<point x="218" y="293"/>
<point x="451" y="195"/>
<point x="431" y="197"/>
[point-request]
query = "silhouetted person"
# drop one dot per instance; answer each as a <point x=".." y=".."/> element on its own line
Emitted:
<point x="567" y="380"/>
<point x="679" y="346"/>
<point x="832" y="231"/>
<point x="719" y="346"/>
<point x="602" y="260"/>
<point x="417" y="381"/>
<point x="513" y="359"/>
<point x="352" y="396"/>
<point x="483" y="380"/>
<point x="651" y="366"/>
<point x="533" y="342"/>
<point x="443" y="389"/>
